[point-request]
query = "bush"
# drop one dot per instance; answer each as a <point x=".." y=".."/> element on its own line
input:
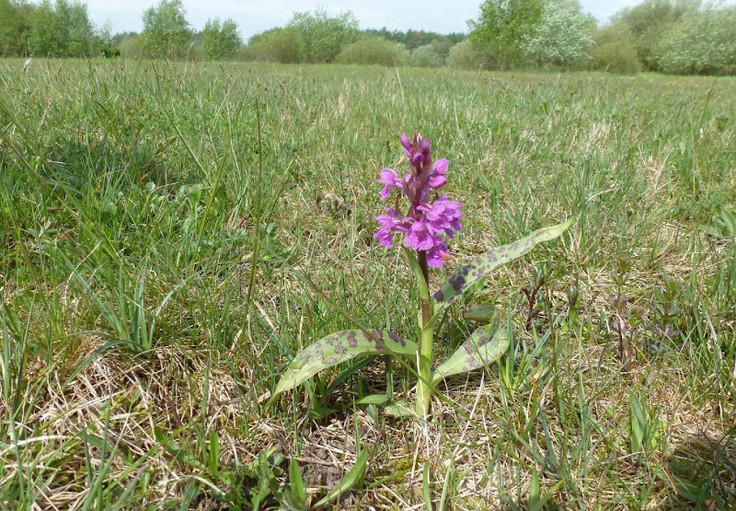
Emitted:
<point x="374" y="51"/>
<point x="321" y="36"/>
<point x="426" y="56"/>
<point x="702" y="43"/>
<point x="275" y="45"/>
<point x="131" y="47"/>
<point x="614" y="51"/>
<point x="562" y="37"/>
<point x="648" y="21"/>
<point x="464" y="56"/>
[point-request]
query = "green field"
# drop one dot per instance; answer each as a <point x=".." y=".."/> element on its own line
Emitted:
<point x="158" y="222"/>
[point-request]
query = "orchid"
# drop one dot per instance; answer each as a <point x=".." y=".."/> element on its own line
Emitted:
<point x="429" y="215"/>
<point x="425" y="223"/>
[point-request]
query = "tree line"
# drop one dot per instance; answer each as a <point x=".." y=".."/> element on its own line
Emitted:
<point x="670" y="36"/>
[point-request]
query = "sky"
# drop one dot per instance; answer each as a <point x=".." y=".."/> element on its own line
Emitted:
<point x="254" y="16"/>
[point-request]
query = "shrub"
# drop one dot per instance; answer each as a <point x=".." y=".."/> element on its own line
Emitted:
<point x="131" y="47"/>
<point x="374" y="51"/>
<point x="426" y="56"/>
<point x="562" y="37"/>
<point x="321" y="36"/>
<point x="702" y="43"/>
<point x="275" y="45"/>
<point x="614" y="51"/>
<point x="464" y="56"/>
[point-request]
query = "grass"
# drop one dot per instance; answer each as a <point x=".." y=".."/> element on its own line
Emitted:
<point x="157" y="220"/>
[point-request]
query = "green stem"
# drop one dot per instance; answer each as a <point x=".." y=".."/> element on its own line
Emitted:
<point x="424" y="391"/>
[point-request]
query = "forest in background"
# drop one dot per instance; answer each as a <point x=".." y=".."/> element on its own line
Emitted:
<point x="675" y="37"/>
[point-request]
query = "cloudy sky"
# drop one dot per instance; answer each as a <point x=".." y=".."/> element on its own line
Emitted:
<point x="253" y="16"/>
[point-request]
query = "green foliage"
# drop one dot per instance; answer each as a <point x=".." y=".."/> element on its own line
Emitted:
<point x="60" y="30"/>
<point x="166" y="31"/>
<point x="220" y="40"/>
<point x="464" y="56"/>
<point x="703" y="42"/>
<point x="563" y="35"/>
<point x="614" y="50"/>
<point x="484" y="346"/>
<point x="502" y="29"/>
<point x="275" y="45"/>
<point x="644" y="427"/>
<point x="131" y="46"/>
<point x="648" y="22"/>
<point x="77" y="36"/>
<point x="13" y="29"/>
<point x="337" y="348"/>
<point x="322" y="37"/>
<point x="44" y="31"/>
<point x="426" y="56"/>
<point x="413" y="39"/>
<point x="471" y="273"/>
<point x="373" y="50"/>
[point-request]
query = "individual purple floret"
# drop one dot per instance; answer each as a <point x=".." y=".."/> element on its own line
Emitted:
<point x="429" y="215"/>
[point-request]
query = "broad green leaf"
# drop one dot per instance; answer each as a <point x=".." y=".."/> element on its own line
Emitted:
<point x="426" y="492"/>
<point x="374" y="399"/>
<point x="295" y="497"/>
<point x="341" y="347"/>
<point x="484" y="346"/>
<point x="483" y="314"/>
<point x="400" y="409"/>
<point x="351" y="480"/>
<point x="489" y="261"/>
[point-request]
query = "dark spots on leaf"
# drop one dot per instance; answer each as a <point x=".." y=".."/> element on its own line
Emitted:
<point x="352" y="340"/>
<point x="340" y="348"/>
<point x="457" y="282"/>
<point x="397" y="339"/>
<point x="332" y="360"/>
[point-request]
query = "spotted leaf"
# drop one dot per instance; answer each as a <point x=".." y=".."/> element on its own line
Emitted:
<point x="484" y="346"/>
<point x="340" y="347"/>
<point x="489" y="261"/>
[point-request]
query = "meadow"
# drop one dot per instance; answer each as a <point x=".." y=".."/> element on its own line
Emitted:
<point x="172" y="234"/>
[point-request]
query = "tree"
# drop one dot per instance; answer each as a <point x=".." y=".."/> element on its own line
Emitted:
<point x="614" y="50"/>
<point x="502" y="29"/>
<point x="43" y="40"/>
<point x="562" y="37"/>
<point x="373" y="50"/>
<point x="220" y="40"/>
<point x="130" y="45"/>
<point x="275" y="45"/>
<point x="166" y="31"/>
<point x="321" y="37"/>
<point x="75" y="35"/>
<point x="703" y="42"/>
<point x="463" y="56"/>
<point x="649" y="21"/>
<point x="426" y="56"/>
<point x="13" y="29"/>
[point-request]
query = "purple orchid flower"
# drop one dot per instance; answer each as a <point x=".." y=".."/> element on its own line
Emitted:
<point x="429" y="216"/>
